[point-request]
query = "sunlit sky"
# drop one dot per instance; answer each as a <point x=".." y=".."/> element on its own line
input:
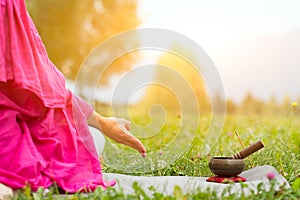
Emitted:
<point x="255" y="44"/>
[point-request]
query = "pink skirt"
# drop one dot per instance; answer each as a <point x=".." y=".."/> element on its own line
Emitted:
<point x="40" y="146"/>
<point x="44" y="135"/>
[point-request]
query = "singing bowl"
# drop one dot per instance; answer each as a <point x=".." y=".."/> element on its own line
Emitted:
<point x="226" y="166"/>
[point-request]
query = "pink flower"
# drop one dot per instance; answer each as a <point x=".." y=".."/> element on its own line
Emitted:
<point x="270" y="175"/>
<point x="160" y="153"/>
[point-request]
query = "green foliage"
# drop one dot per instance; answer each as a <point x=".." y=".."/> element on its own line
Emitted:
<point x="282" y="151"/>
<point x="70" y="29"/>
<point x="296" y="185"/>
<point x="178" y="194"/>
<point x="112" y="193"/>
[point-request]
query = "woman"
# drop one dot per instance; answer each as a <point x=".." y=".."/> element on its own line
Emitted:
<point x="44" y="136"/>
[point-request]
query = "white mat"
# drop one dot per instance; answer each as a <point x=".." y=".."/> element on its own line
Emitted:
<point x="165" y="184"/>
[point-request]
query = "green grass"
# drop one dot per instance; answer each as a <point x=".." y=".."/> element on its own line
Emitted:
<point x="280" y="134"/>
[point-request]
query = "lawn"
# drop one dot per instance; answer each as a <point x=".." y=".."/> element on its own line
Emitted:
<point x="280" y="134"/>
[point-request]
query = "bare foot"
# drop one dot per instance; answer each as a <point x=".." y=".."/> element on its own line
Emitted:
<point x="118" y="130"/>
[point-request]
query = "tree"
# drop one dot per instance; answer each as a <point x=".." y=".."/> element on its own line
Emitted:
<point x="251" y="105"/>
<point x="286" y="105"/>
<point x="231" y="106"/>
<point x="181" y="84"/>
<point x="272" y="106"/>
<point x="70" y="29"/>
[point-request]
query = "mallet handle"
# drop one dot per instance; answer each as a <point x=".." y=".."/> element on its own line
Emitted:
<point x="248" y="150"/>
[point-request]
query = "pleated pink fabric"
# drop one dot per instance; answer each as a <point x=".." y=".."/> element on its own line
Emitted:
<point x="44" y="135"/>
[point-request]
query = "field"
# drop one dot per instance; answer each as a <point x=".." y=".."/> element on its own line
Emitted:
<point x="280" y="134"/>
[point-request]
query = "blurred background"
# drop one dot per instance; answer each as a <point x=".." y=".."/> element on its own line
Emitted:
<point x="254" y="44"/>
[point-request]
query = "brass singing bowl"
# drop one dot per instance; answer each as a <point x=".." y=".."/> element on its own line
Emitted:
<point x="226" y="166"/>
